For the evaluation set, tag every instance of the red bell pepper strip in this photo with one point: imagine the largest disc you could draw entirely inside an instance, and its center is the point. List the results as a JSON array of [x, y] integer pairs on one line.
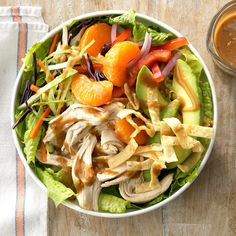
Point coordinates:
[[131, 80], [123, 36], [175, 44], [157, 75], [117, 92], [153, 56]]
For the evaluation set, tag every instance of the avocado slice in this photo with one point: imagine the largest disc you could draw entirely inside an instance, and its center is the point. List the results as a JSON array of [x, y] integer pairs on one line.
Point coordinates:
[[183, 75], [183, 70], [181, 153], [171, 110], [144, 84], [186, 86]]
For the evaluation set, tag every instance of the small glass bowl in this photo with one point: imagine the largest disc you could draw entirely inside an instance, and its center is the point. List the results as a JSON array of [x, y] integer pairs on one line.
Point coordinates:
[[229, 8]]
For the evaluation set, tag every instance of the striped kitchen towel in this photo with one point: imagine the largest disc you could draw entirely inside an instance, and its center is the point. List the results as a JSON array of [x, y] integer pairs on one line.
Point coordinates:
[[23, 205]]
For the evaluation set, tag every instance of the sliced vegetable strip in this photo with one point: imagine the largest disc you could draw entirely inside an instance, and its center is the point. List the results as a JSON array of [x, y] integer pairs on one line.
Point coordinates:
[[156, 55], [36, 128], [43, 152], [54, 43], [34, 88], [157, 75], [117, 92], [44, 69], [123, 36], [175, 44]]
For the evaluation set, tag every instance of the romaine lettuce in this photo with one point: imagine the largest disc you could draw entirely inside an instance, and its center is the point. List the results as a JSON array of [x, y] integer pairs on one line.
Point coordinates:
[[112, 204], [31, 145], [192, 61], [139, 29], [57, 191], [180, 179]]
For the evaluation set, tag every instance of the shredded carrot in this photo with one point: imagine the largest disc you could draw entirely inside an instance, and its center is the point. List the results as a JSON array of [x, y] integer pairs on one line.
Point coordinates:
[[44, 69], [123, 36], [54, 43], [80, 69], [43, 152], [34, 88], [98, 66], [39, 123]]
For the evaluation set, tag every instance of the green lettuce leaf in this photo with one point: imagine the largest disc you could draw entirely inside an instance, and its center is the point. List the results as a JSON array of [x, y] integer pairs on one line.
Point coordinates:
[[127, 19], [192, 61], [31, 145], [139, 29], [112, 190], [112, 204], [41, 49], [180, 179], [57, 191], [207, 102], [20, 128], [63, 176]]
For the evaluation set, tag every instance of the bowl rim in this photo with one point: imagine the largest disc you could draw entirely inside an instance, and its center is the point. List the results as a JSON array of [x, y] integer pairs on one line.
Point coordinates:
[[137, 212]]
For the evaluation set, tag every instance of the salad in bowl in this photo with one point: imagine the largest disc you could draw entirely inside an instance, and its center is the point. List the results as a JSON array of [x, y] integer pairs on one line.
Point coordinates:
[[114, 113]]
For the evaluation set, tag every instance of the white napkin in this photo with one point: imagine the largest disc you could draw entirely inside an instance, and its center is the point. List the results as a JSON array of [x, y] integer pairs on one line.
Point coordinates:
[[23, 205]]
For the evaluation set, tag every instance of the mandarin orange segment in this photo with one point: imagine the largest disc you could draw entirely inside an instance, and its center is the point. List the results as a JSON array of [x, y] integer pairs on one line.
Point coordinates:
[[124, 129], [90, 92], [101, 33], [117, 59]]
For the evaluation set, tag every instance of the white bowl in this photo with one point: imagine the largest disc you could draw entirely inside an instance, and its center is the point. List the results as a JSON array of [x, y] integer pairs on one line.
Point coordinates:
[[74, 205]]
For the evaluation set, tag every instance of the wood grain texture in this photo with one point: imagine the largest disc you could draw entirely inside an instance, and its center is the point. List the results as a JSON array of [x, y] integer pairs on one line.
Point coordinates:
[[208, 207]]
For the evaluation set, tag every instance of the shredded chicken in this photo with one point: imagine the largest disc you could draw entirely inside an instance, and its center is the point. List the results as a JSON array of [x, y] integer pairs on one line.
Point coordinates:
[[59, 126], [83, 175], [55, 160], [127, 189]]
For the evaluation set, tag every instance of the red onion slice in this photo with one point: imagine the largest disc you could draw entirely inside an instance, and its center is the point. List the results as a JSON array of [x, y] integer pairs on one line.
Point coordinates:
[[171, 63], [113, 32], [146, 45], [144, 50]]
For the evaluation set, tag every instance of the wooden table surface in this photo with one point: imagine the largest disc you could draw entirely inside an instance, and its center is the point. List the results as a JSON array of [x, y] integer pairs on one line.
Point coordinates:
[[208, 207]]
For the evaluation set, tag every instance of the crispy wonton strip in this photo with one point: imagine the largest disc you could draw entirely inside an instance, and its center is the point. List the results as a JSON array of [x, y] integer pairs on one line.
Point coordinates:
[[169, 140], [188, 164], [154, 108], [131, 95], [124, 155], [153, 155], [155, 147], [169, 154], [139, 165], [184, 140], [156, 168], [168, 150], [199, 131], [148, 127], [138, 129]]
